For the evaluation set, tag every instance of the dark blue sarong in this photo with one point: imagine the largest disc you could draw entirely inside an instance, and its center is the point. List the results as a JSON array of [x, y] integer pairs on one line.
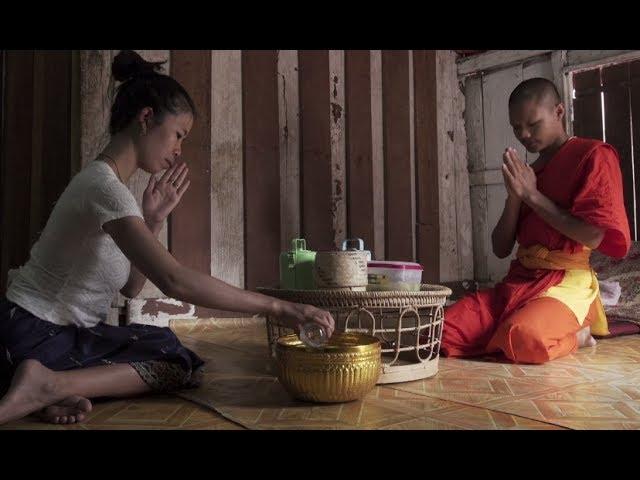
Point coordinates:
[[25, 336]]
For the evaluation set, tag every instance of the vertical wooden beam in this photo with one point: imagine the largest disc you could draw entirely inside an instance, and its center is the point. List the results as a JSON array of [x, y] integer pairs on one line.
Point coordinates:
[[428, 198], [55, 135], [37, 202], [475, 146], [2, 167], [96, 96], [412, 154], [317, 189], [397, 161], [360, 198], [338, 154], [17, 155], [377, 155], [227, 183], [460, 159], [289, 122], [189, 225], [262, 166], [75, 133]]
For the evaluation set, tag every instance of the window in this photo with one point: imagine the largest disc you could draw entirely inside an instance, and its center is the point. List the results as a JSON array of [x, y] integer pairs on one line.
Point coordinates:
[[606, 105]]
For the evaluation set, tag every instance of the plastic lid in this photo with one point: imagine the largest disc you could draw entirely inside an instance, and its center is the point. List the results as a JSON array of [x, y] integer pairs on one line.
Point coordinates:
[[395, 265]]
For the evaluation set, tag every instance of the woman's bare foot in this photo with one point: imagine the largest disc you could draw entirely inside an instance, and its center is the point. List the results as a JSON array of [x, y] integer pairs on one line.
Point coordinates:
[[32, 388], [72, 409], [585, 339]]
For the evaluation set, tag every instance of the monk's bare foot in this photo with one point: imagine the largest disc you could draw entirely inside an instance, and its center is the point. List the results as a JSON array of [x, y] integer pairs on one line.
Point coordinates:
[[32, 388], [73, 409], [585, 339]]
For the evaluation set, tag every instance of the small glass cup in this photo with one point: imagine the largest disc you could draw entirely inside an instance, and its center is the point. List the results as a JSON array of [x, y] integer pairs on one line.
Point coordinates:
[[313, 335]]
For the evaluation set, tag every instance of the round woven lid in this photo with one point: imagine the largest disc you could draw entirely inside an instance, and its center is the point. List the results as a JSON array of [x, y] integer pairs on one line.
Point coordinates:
[[429, 295]]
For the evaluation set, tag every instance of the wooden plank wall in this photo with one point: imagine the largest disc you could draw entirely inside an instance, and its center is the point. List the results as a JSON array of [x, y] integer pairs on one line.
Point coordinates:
[[227, 172], [443, 227], [2, 167], [261, 167], [323, 144], [17, 159], [398, 176], [39, 146], [359, 132], [189, 224]]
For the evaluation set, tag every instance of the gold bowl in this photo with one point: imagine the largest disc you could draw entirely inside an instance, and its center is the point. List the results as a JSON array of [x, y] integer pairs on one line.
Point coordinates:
[[346, 369]]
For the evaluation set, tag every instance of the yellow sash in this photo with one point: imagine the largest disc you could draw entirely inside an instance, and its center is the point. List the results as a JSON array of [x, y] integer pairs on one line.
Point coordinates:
[[539, 257]]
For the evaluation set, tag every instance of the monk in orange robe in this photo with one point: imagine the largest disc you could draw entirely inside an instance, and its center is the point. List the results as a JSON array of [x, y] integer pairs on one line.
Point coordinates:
[[560, 208]]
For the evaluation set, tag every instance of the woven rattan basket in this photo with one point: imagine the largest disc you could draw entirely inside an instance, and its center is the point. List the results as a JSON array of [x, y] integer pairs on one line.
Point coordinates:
[[409, 324], [342, 270]]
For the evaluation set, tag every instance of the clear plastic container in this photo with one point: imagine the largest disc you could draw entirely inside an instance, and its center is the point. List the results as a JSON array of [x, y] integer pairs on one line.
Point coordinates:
[[394, 276]]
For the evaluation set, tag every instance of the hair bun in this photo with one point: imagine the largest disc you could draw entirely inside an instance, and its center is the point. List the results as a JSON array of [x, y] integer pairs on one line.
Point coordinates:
[[128, 64]]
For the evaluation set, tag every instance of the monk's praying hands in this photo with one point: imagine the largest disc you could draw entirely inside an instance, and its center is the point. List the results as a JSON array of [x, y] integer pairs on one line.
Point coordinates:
[[519, 178]]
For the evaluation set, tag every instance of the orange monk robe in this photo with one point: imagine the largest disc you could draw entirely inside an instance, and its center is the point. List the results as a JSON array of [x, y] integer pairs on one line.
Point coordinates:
[[583, 178]]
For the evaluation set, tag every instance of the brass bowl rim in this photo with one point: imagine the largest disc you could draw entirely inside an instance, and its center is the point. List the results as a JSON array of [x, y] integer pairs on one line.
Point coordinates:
[[292, 343]]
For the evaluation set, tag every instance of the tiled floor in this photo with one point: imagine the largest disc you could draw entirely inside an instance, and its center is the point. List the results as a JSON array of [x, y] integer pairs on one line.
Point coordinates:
[[157, 413], [597, 388]]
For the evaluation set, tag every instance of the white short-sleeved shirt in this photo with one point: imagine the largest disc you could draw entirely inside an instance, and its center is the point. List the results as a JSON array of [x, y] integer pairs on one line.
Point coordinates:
[[75, 268]]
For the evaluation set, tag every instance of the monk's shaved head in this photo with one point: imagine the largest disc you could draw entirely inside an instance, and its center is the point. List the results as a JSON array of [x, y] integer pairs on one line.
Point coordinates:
[[537, 115], [539, 90]]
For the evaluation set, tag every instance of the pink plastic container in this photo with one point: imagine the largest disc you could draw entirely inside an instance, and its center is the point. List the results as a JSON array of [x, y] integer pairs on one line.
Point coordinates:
[[394, 276]]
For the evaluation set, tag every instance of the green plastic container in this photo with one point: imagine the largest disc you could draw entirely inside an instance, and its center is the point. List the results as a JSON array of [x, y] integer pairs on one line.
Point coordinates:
[[296, 267]]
